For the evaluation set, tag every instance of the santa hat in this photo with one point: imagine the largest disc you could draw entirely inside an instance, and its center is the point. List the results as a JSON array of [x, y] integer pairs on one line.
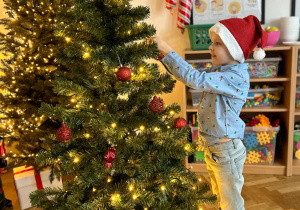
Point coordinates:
[[241, 36]]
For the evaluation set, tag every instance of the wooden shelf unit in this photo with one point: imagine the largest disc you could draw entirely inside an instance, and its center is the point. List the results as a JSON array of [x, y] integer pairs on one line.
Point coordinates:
[[296, 115], [283, 163]]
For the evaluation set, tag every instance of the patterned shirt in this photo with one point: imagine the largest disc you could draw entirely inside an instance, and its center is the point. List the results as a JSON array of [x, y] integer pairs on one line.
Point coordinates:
[[225, 89]]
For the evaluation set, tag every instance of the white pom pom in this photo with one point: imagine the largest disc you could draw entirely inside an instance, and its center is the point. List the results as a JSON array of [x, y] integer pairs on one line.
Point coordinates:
[[259, 54]]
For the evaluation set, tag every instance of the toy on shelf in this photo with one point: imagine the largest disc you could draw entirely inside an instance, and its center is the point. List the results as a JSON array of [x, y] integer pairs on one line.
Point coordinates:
[[297, 141], [260, 139], [298, 97], [199, 154], [268, 67], [265, 96]]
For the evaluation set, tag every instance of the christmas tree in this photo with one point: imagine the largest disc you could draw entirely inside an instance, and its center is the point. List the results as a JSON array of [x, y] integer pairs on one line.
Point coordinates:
[[119, 145], [29, 46]]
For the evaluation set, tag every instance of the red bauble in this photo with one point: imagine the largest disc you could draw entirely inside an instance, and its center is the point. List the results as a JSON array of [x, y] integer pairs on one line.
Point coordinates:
[[156, 105], [110, 156], [124, 74], [64, 133], [160, 56], [180, 123]]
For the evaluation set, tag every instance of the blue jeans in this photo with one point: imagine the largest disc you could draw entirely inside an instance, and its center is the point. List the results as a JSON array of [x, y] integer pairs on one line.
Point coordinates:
[[225, 162]]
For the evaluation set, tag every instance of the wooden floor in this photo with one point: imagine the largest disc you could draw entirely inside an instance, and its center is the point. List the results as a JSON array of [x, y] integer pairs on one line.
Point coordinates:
[[261, 192]]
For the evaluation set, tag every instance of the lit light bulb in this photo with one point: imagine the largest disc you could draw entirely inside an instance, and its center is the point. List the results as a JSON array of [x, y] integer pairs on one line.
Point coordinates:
[[172, 112], [76, 160], [162, 188], [108, 180], [114, 197], [87, 135], [134, 197], [86, 55], [130, 188], [199, 179], [68, 39], [141, 69], [94, 189], [113, 125], [142, 128]]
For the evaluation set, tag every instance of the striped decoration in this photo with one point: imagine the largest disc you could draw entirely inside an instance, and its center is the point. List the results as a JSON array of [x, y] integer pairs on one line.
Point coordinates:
[[184, 11], [171, 4]]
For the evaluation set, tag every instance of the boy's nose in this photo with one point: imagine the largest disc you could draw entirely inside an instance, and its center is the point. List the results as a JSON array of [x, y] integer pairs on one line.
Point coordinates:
[[210, 47]]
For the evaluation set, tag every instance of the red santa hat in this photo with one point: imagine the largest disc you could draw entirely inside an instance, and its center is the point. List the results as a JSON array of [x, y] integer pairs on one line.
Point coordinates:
[[241, 36]]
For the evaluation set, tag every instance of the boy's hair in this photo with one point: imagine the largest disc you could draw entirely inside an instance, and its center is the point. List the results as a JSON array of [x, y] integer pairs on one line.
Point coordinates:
[[241, 36]]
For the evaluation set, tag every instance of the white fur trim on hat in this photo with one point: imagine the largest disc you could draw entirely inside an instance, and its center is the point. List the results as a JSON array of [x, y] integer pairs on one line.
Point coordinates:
[[229, 40], [259, 54]]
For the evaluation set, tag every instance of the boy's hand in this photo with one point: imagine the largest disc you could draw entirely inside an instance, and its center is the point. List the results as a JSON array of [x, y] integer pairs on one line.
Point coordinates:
[[163, 47]]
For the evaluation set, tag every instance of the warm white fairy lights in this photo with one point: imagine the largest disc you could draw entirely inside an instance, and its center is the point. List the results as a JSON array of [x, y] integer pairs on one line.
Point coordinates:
[[76, 160]]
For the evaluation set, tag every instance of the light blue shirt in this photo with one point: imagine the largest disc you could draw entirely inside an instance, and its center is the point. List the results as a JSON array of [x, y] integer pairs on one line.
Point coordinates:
[[225, 89]]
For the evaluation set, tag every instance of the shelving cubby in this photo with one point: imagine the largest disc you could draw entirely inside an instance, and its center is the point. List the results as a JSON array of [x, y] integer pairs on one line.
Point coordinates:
[[285, 111]]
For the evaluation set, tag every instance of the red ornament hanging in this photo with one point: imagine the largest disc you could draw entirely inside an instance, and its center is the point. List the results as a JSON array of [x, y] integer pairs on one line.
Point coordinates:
[[124, 74], [180, 123], [110, 156], [156, 105], [160, 56], [64, 133]]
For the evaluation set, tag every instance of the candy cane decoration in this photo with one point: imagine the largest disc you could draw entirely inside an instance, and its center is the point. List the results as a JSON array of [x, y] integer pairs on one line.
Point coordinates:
[[170, 4], [184, 13]]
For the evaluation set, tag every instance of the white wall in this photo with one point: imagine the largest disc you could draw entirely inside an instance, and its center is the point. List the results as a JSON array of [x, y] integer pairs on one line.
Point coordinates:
[[165, 24]]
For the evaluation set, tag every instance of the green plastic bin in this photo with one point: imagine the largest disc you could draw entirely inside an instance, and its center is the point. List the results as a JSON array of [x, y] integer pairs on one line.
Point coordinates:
[[199, 36]]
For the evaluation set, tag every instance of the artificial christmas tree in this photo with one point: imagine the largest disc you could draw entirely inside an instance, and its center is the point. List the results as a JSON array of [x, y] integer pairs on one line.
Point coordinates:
[[121, 154], [29, 46]]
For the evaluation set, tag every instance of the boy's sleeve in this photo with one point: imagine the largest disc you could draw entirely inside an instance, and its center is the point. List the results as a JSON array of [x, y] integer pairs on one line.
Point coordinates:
[[227, 83]]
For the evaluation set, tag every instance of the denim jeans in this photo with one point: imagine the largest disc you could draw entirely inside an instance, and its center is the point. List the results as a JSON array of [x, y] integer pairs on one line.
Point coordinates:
[[225, 162]]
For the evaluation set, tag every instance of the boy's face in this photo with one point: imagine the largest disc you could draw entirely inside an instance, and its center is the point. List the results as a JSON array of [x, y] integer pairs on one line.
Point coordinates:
[[219, 52]]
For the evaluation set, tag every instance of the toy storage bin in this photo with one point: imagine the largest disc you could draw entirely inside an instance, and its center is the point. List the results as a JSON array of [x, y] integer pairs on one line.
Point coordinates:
[[199, 36], [260, 143], [267, 67], [196, 96], [263, 97], [198, 155], [297, 144], [297, 97], [201, 64]]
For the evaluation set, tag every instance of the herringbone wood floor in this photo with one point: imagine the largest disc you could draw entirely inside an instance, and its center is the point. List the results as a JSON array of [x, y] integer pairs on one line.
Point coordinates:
[[261, 192]]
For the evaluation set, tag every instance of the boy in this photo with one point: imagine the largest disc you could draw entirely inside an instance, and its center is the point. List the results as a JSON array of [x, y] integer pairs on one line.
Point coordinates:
[[225, 87]]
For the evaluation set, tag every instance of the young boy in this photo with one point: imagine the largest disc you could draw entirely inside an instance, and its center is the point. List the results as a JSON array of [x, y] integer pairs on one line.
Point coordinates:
[[225, 87]]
